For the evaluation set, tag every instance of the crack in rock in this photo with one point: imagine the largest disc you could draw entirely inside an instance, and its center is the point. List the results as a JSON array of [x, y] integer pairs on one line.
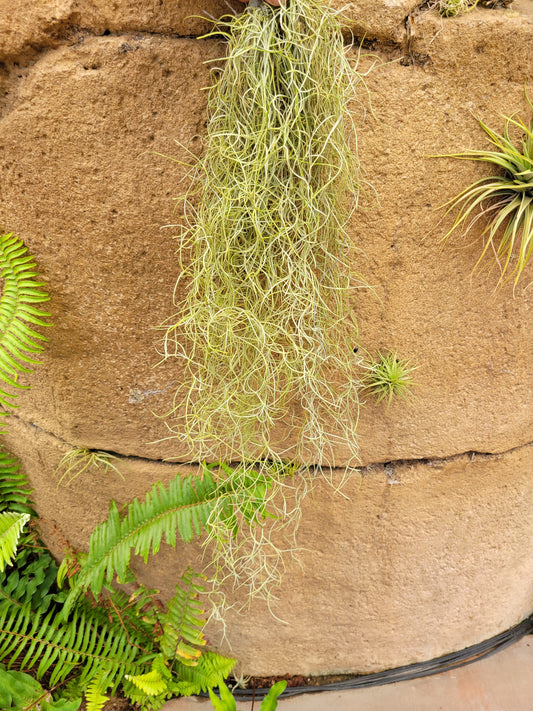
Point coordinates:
[[389, 467]]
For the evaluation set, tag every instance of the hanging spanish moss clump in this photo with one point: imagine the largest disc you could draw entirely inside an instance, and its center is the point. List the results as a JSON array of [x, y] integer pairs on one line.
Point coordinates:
[[270, 372]]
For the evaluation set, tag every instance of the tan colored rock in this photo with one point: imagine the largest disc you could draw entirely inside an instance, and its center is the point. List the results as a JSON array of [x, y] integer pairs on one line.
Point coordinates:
[[384, 20], [422, 559], [180, 17], [473, 346], [83, 187], [80, 146], [25, 24], [475, 42]]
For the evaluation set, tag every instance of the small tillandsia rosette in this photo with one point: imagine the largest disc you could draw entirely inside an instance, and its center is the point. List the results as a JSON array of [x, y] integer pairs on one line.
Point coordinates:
[[503, 200], [388, 377]]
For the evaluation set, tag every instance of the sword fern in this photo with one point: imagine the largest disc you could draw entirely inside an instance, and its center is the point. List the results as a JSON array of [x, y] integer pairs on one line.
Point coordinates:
[[18, 313]]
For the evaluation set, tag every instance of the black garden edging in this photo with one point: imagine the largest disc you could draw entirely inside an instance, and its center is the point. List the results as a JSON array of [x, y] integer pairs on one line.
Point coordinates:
[[410, 671]]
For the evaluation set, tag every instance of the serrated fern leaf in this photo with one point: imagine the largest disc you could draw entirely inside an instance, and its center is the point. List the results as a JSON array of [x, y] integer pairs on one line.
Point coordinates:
[[17, 340], [183, 622], [31, 582], [183, 508], [95, 697], [140, 700], [210, 671], [138, 613], [152, 683], [44, 643], [11, 526], [14, 488]]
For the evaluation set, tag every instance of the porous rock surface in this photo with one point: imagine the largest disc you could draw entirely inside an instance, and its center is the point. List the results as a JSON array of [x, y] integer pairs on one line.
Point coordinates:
[[93, 96], [412, 561]]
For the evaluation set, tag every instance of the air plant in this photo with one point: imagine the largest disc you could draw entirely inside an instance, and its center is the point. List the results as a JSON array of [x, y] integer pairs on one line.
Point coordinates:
[[81, 459], [453, 8], [389, 377], [262, 330], [504, 200]]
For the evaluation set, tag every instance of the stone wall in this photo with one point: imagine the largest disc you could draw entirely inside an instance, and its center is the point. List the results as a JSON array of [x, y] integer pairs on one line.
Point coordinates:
[[430, 553]]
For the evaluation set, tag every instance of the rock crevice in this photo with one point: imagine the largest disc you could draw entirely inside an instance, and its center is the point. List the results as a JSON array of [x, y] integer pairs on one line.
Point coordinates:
[[368, 468]]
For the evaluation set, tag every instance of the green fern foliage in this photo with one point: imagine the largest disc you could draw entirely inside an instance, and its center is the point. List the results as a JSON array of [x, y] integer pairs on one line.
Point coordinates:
[[94, 697], [104, 643], [45, 643], [14, 488], [236, 508], [210, 671], [183, 508], [152, 684], [183, 623], [150, 690], [11, 526], [18, 314]]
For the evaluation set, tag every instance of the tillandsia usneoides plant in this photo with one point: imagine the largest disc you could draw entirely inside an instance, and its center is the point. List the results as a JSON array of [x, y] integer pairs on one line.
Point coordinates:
[[270, 373]]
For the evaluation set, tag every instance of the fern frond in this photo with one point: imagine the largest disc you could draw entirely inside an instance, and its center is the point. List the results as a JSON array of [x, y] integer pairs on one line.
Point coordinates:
[[44, 642], [94, 696], [17, 340], [14, 487], [31, 580], [183, 623], [211, 670], [151, 684], [11, 526], [184, 508], [138, 613], [140, 700]]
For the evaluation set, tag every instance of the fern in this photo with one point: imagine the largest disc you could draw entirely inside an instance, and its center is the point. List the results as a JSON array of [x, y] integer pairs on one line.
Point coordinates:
[[31, 581], [210, 671], [94, 696], [152, 684], [183, 508], [138, 613], [45, 643], [21, 291], [11, 526], [183, 623], [105, 640], [188, 506], [14, 488]]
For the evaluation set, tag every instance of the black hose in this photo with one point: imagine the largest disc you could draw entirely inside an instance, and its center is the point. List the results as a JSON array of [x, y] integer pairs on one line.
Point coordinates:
[[410, 671]]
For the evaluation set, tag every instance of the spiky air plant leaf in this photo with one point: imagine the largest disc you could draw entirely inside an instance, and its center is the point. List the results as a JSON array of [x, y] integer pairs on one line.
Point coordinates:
[[389, 377], [504, 201], [265, 259], [18, 314]]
